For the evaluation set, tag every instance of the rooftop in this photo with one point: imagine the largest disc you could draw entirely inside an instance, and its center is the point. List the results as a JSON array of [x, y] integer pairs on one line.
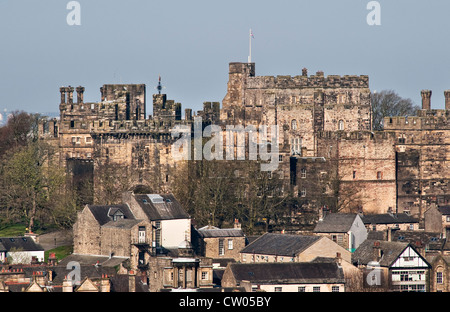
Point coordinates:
[[19, 243], [161, 206], [288, 273], [280, 244], [336, 223], [388, 218]]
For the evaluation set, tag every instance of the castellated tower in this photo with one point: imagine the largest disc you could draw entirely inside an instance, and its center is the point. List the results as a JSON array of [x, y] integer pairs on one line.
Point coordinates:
[[301, 106]]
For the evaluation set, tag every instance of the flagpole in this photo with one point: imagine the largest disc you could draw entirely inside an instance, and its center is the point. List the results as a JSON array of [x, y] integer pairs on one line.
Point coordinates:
[[250, 46]]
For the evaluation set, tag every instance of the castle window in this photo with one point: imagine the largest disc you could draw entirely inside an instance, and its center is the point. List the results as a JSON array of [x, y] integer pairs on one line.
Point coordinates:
[[379, 175], [354, 174], [303, 193], [303, 173], [88, 140], [72, 124], [221, 248], [296, 145], [294, 124], [230, 244], [341, 125], [204, 276]]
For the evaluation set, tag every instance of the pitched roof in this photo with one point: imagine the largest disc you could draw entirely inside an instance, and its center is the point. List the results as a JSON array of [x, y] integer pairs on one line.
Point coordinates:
[[445, 210], [288, 272], [92, 260], [418, 238], [390, 252], [336, 223], [216, 232], [388, 218], [280, 244], [122, 224], [161, 207], [104, 213], [86, 271], [19, 243]]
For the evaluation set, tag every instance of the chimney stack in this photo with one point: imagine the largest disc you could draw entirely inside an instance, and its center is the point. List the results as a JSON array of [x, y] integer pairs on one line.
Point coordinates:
[[426, 99], [70, 95], [338, 258], [376, 251], [131, 281], [63, 94], [447, 99], [305, 72], [67, 285], [80, 91]]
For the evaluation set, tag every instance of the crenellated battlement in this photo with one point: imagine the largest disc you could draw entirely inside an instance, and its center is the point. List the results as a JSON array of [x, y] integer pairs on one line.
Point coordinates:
[[426, 120], [315, 81], [294, 82], [357, 135]]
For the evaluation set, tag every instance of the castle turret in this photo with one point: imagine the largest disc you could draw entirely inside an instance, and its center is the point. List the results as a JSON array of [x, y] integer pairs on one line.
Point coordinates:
[[426, 99], [80, 92], [447, 99]]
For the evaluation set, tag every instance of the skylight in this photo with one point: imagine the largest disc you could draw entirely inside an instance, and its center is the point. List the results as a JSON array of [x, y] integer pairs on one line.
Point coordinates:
[[155, 198]]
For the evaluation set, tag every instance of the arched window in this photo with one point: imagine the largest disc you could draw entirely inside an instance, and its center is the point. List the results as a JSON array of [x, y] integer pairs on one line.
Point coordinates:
[[341, 125], [294, 124]]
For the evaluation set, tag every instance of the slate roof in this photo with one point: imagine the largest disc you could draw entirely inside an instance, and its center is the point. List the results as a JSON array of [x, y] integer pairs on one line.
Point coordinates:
[[166, 209], [216, 232], [388, 218], [120, 283], [288, 272], [418, 238], [122, 224], [91, 271], [19, 243], [335, 223], [376, 235], [91, 260], [445, 210], [390, 252], [104, 213], [280, 244]]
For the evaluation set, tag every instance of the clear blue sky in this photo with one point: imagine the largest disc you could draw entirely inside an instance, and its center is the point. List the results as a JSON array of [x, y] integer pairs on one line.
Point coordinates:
[[190, 43]]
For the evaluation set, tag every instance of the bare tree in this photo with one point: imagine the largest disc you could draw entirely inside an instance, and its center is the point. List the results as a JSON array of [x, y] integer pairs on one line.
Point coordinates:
[[388, 103]]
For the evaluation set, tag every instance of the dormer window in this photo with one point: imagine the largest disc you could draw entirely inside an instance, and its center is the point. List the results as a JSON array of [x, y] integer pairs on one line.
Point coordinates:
[[116, 214]]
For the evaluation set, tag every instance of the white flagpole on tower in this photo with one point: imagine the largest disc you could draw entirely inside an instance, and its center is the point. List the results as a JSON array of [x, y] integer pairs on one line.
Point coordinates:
[[250, 46]]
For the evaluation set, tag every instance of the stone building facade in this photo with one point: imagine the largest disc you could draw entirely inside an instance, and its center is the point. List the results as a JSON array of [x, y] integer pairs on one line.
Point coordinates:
[[325, 139]]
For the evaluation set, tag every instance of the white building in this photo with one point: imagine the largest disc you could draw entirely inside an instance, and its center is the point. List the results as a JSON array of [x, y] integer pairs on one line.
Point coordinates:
[[20, 249], [172, 223], [285, 277]]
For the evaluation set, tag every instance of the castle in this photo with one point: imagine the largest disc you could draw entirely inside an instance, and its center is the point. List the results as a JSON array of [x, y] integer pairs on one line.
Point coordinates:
[[326, 141]]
